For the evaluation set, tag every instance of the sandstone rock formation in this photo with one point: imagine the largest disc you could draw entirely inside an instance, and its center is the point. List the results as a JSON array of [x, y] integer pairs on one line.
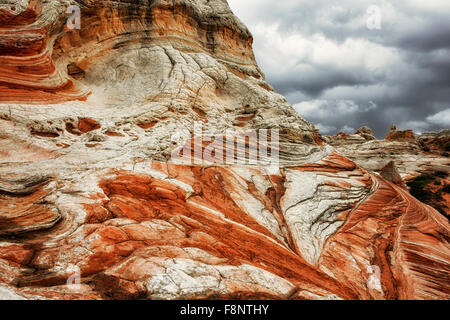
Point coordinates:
[[436, 142], [344, 139], [403, 159], [403, 148], [90, 119], [405, 135], [390, 173], [366, 133]]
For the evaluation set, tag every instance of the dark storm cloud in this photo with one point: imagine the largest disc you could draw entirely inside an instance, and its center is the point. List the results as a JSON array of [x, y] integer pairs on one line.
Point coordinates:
[[323, 57], [315, 79]]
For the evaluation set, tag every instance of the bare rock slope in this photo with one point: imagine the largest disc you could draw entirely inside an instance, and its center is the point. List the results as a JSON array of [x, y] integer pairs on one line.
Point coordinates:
[[89, 120], [420, 164], [413, 155]]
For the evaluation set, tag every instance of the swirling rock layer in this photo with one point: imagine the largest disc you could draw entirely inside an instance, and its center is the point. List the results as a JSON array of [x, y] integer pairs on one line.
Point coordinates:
[[89, 121], [403, 158]]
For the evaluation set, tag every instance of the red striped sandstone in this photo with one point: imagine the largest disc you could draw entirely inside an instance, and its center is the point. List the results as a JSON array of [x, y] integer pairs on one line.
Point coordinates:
[[88, 122]]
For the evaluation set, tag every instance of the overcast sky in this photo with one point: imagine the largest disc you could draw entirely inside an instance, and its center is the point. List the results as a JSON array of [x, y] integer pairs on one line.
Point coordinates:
[[348, 63]]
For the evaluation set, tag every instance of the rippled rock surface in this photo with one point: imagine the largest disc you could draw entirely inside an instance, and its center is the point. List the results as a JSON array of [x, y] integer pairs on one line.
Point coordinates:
[[90, 119]]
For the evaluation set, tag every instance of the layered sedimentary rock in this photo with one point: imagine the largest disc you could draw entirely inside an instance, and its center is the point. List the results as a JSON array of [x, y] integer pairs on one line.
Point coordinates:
[[405, 135], [418, 163], [390, 172], [436, 142], [411, 155], [89, 191]]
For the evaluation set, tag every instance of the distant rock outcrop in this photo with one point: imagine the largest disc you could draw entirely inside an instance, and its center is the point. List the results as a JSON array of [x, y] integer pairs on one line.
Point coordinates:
[[366, 133], [406, 135], [436, 142], [408, 159], [362, 135]]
